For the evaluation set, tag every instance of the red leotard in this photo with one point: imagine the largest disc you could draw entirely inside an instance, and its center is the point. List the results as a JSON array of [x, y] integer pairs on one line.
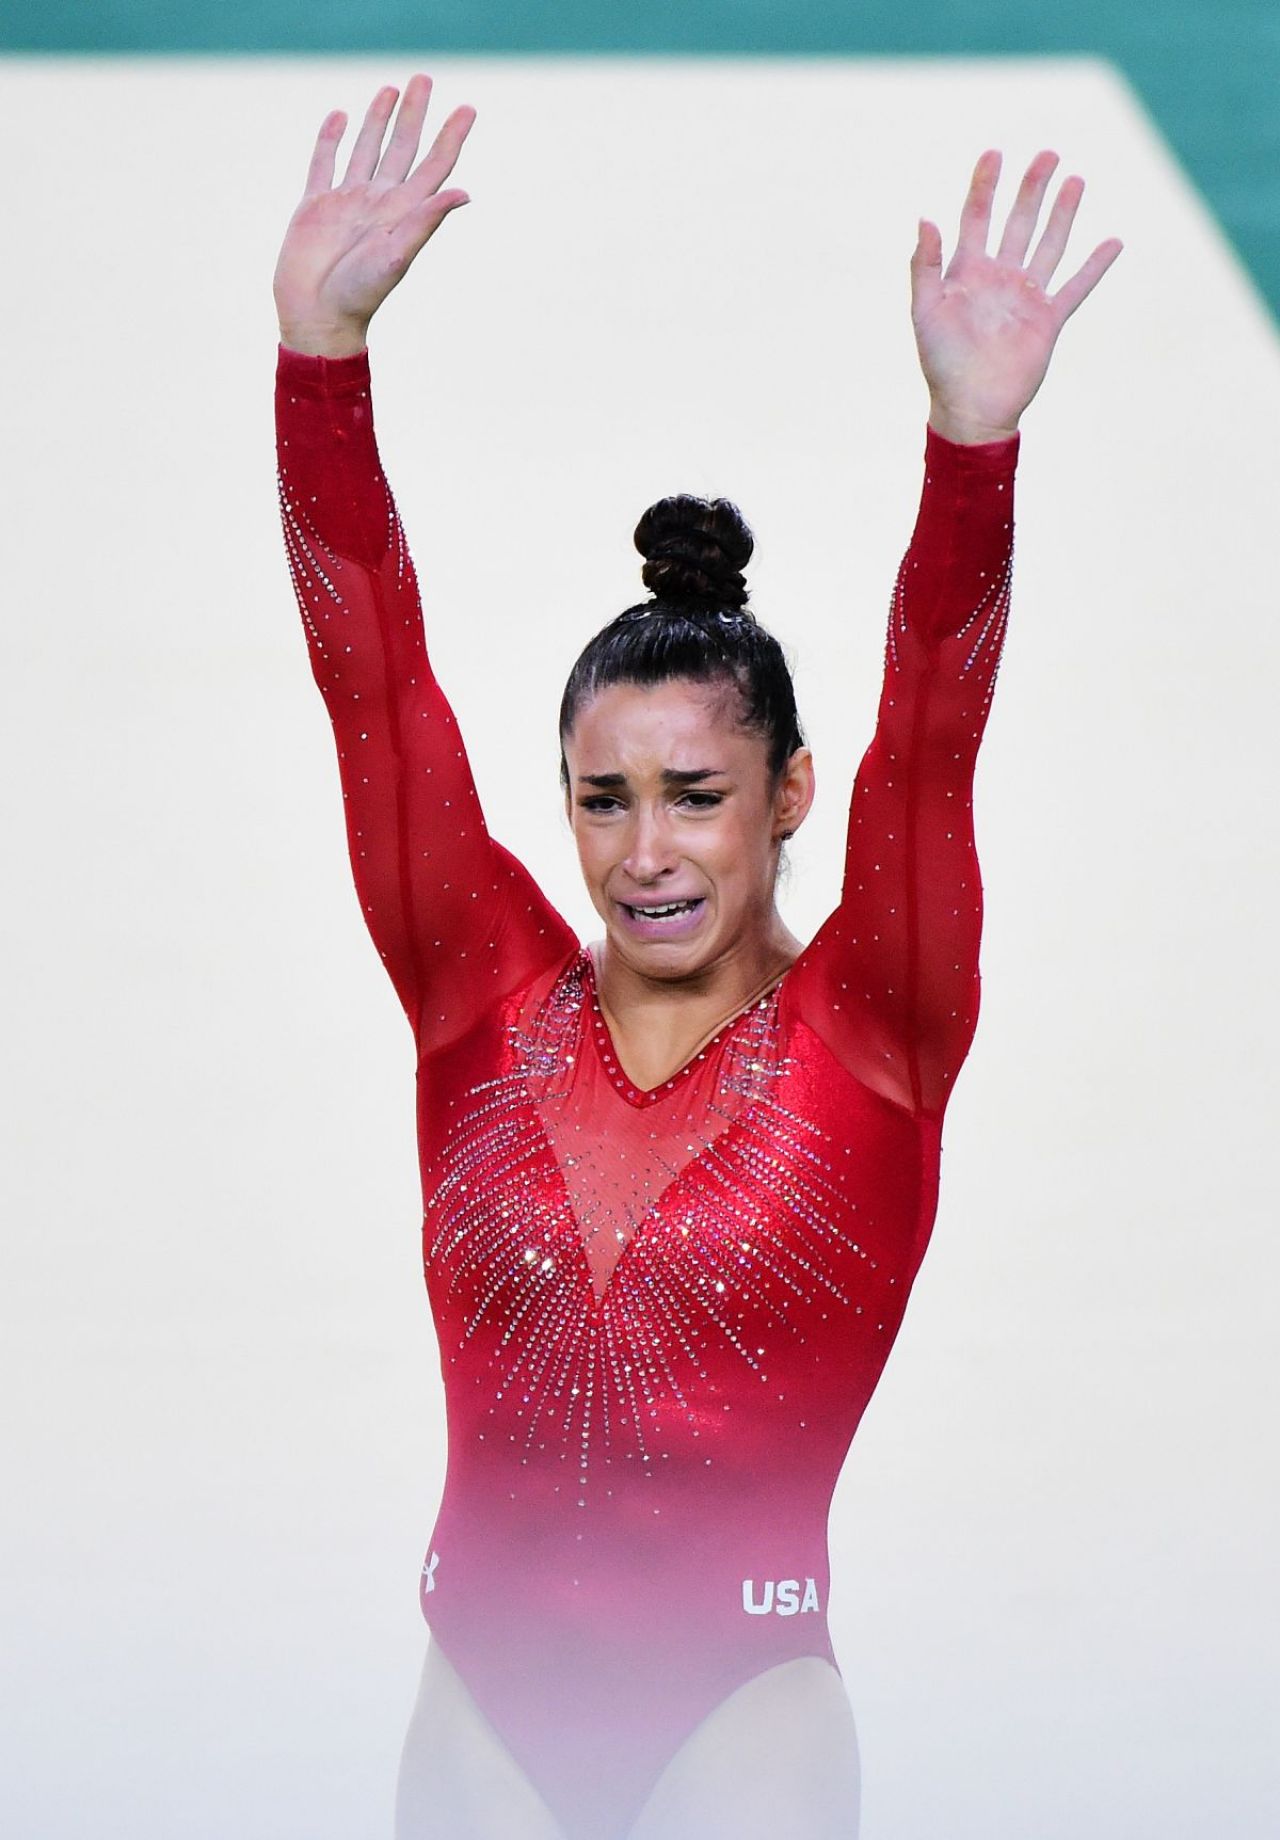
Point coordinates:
[[660, 1314]]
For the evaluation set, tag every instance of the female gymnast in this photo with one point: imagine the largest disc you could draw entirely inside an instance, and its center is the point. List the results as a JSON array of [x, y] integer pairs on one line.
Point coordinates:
[[677, 1184]]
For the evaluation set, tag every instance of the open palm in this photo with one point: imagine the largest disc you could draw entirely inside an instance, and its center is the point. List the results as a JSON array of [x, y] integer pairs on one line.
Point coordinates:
[[348, 244], [986, 328]]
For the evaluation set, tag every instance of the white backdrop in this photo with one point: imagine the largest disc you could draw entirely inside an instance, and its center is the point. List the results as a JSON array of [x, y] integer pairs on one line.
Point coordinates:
[[1054, 1543]]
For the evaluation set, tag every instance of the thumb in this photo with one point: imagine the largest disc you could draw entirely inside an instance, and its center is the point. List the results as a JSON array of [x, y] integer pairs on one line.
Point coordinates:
[[926, 266], [420, 224], [927, 254]]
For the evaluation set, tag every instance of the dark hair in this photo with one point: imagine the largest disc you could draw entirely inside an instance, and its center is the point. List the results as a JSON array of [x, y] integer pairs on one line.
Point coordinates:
[[695, 625]]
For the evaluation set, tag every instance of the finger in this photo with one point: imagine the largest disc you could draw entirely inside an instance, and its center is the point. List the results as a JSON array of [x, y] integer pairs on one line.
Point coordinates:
[[926, 267], [432, 171], [975, 215], [1086, 278], [1050, 249], [1026, 208], [320, 171], [364, 155], [402, 148]]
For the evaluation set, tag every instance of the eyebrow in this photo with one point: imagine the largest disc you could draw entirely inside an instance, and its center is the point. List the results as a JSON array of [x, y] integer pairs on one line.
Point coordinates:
[[671, 776]]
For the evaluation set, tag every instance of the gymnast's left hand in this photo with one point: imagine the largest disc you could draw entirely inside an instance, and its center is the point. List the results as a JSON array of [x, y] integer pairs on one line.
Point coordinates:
[[986, 328]]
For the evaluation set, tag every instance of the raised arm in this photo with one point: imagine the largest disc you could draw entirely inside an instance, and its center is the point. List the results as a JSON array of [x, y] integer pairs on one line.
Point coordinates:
[[456, 919], [891, 982]]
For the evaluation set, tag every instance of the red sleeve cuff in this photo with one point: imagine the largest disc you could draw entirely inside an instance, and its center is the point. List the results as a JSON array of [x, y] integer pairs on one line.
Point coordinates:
[[992, 458], [305, 375]]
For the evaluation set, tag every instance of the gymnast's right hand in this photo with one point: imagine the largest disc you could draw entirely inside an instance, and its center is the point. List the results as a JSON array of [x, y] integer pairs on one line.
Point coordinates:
[[348, 245]]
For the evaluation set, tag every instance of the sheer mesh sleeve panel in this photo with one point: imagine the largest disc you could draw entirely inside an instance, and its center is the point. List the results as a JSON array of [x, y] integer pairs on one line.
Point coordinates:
[[891, 981], [457, 921]]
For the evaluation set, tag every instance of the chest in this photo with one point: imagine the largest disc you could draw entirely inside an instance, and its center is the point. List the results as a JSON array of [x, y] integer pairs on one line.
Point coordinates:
[[629, 1288], [546, 1169]]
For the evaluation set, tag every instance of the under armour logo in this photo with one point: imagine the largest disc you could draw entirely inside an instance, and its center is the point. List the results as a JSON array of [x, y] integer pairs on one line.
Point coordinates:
[[428, 1571], [782, 1598]]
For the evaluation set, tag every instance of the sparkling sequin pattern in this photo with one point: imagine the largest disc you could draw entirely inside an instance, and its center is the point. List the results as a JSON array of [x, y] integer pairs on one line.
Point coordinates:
[[982, 634], [733, 1228]]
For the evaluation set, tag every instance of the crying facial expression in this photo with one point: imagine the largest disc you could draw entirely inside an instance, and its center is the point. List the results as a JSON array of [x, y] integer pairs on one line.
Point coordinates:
[[676, 820]]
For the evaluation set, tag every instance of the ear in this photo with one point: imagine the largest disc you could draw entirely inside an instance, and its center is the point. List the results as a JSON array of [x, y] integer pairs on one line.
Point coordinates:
[[794, 795]]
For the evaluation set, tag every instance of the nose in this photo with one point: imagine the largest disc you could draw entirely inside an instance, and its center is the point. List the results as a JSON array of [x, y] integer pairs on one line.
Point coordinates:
[[652, 853]]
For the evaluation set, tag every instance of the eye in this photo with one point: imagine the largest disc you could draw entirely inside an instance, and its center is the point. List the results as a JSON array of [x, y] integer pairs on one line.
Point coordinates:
[[701, 801], [600, 801]]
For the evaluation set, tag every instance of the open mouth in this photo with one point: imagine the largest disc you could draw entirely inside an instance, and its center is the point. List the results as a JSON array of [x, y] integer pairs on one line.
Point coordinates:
[[666, 910]]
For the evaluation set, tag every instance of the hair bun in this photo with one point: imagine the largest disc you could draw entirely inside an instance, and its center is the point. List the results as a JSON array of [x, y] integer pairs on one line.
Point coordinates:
[[695, 550]]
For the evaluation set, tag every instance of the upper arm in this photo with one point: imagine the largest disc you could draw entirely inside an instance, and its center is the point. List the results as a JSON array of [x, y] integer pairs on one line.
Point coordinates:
[[891, 981]]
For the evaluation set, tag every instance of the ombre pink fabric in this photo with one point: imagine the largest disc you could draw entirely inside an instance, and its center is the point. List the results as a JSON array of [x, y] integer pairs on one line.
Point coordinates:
[[660, 1314]]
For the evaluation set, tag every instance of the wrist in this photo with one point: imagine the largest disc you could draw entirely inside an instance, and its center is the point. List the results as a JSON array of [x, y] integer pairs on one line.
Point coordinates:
[[335, 339], [968, 430]]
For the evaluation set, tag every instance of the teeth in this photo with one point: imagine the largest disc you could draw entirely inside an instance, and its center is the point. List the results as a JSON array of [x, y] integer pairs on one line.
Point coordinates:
[[666, 912]]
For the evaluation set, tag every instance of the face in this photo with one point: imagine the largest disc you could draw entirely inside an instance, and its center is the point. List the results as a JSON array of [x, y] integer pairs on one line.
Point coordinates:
[[678, 823]]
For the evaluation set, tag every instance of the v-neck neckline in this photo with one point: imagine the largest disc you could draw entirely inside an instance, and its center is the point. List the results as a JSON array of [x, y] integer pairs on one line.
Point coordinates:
[[650, 1095]]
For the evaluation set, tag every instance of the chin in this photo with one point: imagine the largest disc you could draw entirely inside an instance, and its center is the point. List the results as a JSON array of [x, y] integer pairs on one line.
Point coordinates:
[[661, 957]]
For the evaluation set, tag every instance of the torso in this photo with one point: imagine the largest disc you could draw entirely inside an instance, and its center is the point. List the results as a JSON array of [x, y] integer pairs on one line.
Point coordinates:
[[661, 1313]]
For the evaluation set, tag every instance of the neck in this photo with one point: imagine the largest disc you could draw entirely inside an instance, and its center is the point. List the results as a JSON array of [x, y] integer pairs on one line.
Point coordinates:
[[729, 983]]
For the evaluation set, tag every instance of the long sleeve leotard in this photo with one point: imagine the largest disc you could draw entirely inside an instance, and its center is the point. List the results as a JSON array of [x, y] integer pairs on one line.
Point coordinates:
[[660, 1313]]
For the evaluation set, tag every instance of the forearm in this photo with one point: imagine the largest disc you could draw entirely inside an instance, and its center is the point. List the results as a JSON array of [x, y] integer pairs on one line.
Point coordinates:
[[331, 474], [961, 547]]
